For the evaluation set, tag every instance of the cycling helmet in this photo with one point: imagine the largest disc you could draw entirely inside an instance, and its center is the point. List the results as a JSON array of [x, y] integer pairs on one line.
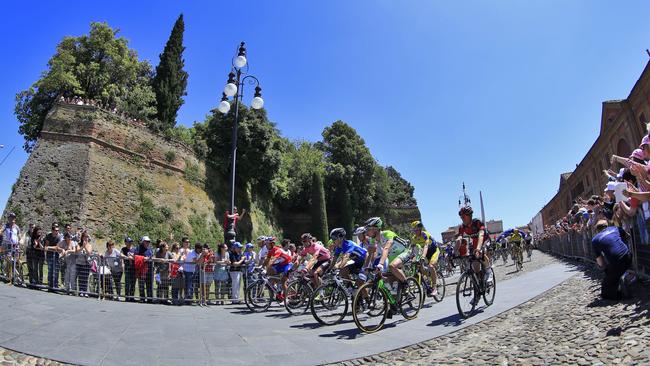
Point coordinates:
[[338, 233], [417, 225], [360, 230], [271, 239], [467, 210], [249, 245], [261, 238], [11, 214], [373, 222]]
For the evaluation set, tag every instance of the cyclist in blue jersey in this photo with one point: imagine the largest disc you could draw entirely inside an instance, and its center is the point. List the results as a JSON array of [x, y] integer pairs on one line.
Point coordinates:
[[345, 250]]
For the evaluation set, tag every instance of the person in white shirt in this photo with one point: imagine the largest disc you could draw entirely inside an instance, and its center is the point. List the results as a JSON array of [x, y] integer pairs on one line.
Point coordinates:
[[10, 242], [261, 242], [189, 269]]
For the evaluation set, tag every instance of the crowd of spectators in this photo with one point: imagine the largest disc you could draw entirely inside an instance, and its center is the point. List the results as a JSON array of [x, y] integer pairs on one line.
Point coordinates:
[[164, 271], [624, 202]]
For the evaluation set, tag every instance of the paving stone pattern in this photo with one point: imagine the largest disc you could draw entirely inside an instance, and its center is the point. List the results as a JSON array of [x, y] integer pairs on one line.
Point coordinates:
[[568, 324]]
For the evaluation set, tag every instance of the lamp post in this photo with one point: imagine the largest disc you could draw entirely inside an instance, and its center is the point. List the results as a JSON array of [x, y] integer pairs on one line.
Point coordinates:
[[234, 88]]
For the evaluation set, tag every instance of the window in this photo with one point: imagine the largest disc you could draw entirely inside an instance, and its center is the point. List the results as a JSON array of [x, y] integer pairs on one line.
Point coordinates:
[[623, 148]]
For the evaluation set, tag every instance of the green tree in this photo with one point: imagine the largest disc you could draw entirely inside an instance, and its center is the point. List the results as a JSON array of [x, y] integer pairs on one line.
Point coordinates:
[[401, 191], [318, 208], [259, 146], [350, 163], [170, 81], [98, 66], [300, 160]]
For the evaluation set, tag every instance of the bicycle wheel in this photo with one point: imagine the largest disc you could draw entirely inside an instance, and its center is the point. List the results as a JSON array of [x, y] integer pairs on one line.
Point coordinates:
[[412, 299], [369, 313], [466, 295], [440, 286], [329, 304], [258, 296], [490, 287], [296, 300]]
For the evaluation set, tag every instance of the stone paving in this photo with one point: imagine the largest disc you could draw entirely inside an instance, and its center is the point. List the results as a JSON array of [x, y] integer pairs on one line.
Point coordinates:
[[569, 324]]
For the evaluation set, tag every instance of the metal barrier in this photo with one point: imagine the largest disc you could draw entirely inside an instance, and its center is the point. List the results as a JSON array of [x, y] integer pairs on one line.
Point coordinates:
[[115, 278]]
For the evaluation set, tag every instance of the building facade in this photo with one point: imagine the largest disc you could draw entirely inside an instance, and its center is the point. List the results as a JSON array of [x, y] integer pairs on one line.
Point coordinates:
[[622, 125]]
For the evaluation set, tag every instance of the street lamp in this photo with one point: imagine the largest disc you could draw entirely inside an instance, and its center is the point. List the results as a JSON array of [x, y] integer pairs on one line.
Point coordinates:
[[234, 88]]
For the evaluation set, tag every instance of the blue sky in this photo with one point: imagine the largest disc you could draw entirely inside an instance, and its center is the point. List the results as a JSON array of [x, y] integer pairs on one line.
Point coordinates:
[[503, 95]]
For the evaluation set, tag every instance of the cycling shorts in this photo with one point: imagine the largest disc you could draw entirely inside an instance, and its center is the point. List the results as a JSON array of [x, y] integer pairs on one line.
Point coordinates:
[[404, 255], [433, 256], [324, 264], [282, 268], [358, 264]]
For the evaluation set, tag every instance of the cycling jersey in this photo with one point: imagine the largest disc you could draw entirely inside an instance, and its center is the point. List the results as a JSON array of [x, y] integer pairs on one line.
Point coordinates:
[[423, 239], [398, 247], [320, 252], [515, 237], [350, 247], [278, 256], [473, 231]]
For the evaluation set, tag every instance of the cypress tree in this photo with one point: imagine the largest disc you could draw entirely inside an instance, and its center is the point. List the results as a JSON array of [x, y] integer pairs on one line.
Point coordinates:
[[318, 209], [170, 81]]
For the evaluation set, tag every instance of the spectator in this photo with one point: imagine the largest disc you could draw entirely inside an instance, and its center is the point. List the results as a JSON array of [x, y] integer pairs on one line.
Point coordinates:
[[70, 251], [10, 242], [127, 255], [612, 255], [249, 261], [236, 261], [231, 219], [113, 260], [84, 258], [52, 252], [145, 280], [163, 258], [176, 276], [189, 269], [222, 260], [206, 260], [35, 261]]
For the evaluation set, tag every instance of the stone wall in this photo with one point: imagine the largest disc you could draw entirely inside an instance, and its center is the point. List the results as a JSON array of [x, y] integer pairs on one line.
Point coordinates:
[[97, 171]]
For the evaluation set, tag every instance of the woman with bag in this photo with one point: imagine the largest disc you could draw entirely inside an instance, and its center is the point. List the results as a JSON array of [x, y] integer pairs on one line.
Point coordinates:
[[176, 276]]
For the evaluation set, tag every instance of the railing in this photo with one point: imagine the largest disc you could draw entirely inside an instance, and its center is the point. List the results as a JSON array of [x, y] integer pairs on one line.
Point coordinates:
[[576, 245], [152, 280]]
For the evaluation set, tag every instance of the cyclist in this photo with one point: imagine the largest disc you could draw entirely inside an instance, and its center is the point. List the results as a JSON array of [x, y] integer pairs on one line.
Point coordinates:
[[423, 240], [389, 248], [345, 250], [277, 262], [515, 238], [320, 257], [528, 243], [475, 229]]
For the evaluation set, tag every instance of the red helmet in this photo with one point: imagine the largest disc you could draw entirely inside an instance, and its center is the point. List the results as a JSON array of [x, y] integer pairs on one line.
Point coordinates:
[[467, 210]]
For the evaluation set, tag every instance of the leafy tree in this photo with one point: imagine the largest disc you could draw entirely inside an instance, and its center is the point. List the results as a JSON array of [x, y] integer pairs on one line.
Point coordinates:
[[401, 191], [99, 67], [318, 208], [259, 146], [170, 81], [349, 162], [300, 160]]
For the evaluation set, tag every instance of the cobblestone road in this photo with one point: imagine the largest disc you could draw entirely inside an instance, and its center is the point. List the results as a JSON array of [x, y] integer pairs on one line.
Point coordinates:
[[569, 324]]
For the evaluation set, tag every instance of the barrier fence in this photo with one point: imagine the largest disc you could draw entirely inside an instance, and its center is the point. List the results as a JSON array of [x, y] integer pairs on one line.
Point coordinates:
[[577, 246], [141, 279]]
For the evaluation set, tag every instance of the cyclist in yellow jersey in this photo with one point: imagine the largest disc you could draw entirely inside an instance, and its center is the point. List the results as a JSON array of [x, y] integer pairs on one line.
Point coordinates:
[[430, 253]]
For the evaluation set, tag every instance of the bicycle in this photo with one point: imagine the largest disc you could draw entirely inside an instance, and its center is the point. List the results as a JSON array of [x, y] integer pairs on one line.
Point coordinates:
[[332, 295], [13, 269], [260, 292], [374, 301], [299, 292], [418, 270], [472, 288], [518, 256]]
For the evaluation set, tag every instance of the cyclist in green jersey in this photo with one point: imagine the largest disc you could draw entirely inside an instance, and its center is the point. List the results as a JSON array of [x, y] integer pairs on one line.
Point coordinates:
[[389, 247]]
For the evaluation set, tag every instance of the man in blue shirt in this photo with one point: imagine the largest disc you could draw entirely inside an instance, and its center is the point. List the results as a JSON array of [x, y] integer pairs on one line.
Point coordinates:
[[345, 250], [612, 255]]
